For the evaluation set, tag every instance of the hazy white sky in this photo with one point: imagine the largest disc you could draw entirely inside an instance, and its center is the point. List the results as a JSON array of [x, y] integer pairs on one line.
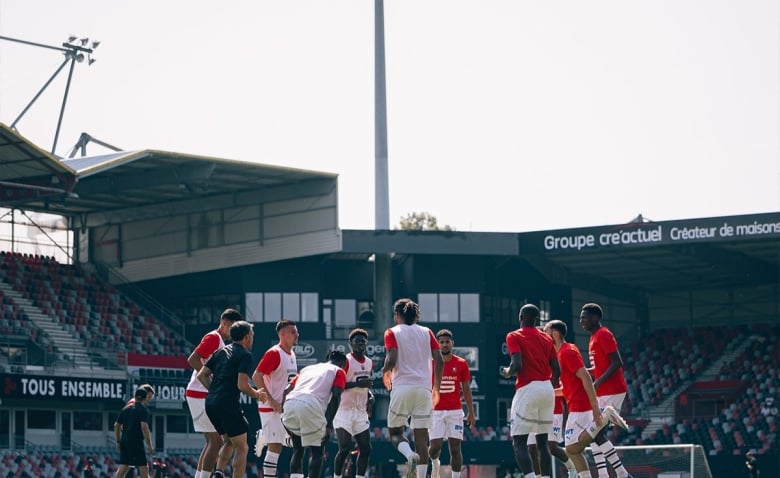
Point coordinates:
[[503, 115]]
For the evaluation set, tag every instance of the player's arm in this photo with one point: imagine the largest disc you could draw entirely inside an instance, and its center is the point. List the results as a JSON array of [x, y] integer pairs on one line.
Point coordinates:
[[339, 381], [471, 418], [117, 433], [391, 358], [204, 376], [147, 436], [590, 390], [515, 365], [615, 364], [244, 386], [195, 360], [556, 372]]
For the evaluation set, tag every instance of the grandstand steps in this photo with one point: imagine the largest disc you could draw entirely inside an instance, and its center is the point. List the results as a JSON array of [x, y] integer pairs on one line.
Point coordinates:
[[65, 342], [664, 411]]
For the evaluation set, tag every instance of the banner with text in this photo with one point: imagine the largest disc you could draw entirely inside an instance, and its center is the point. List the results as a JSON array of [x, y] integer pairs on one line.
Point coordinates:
[[640, 234], [62, 388]]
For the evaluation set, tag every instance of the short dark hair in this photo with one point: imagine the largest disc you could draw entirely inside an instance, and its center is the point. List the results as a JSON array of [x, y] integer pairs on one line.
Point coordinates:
[[594, 309], [558, 325], [336, 356], [357, 332], [529, 314], [231, 315], [444, 333], [408, 310], [283, 323], [240, 329], [140, 394]]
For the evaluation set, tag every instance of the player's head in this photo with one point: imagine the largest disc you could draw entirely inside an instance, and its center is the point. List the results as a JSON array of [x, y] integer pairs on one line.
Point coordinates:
[[358, 341], [287, 332], [149, 390], [406, 311], [529, 315], [140, 395], [556, 327], [336, 357], [590, 316], [226, 319], [444, 336], [240, 330]]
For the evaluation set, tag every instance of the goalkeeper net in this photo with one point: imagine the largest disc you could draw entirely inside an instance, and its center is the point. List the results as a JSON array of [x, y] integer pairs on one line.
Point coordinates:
[[659, 461]]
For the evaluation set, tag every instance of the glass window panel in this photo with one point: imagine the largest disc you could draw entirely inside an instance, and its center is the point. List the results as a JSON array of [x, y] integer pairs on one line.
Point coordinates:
[[42, 419], [346, 312], [272, 307], [291, 306], [469, 307], [309, 308], [87, 421], [112, 416], [176, 423], [254, 307], [448, 307], [429, 309]]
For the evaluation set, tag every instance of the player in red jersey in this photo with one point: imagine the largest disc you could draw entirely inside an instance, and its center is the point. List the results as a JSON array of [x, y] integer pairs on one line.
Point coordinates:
[[607, 370], [447, 419], [535, 364]]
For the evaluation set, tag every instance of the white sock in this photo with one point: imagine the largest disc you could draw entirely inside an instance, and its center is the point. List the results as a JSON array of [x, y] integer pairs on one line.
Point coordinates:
[[338, 476], [296, 475], [405, 450], [569, 465], [269, 464], [584, 474], [455, 474], [531, 475], [422, 470]]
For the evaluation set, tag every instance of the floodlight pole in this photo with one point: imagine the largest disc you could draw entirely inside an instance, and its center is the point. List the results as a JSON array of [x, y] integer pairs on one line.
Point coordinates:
[[73, 53], [383, 265]]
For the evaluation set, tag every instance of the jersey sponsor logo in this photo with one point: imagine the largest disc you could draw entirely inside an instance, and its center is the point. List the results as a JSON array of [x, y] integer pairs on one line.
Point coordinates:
[[447, 385]]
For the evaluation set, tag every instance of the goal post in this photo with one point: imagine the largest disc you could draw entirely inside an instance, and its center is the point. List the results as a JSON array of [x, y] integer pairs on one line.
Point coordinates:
[[658, 461]]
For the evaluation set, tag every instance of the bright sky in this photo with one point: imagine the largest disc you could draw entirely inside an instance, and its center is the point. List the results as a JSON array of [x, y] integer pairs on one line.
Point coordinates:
[[503, 115]]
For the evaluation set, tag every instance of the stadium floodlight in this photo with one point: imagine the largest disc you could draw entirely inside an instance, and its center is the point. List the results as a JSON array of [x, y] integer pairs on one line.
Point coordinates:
[[75, 52]]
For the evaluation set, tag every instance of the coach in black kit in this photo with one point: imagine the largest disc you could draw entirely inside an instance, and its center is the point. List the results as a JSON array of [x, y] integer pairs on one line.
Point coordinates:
[[131, 430], [225, 376]]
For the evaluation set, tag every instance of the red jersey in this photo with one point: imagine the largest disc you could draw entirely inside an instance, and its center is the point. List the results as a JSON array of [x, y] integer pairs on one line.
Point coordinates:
[[455, 374], [558, 410], [571, 360], [601, 344], [537, 349]]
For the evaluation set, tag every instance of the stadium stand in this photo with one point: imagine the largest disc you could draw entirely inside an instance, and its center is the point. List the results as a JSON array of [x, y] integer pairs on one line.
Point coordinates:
[[84, 305]]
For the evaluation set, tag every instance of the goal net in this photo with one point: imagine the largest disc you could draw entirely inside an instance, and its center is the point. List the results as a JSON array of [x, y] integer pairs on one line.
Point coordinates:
[[659, 461]]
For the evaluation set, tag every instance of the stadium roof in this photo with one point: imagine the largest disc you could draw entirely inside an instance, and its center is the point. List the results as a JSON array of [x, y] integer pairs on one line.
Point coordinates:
[[28, 173], [130, 185]]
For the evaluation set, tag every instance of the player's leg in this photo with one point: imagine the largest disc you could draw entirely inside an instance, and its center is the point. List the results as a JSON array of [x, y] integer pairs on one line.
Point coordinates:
[[363, 440], [345, 444]]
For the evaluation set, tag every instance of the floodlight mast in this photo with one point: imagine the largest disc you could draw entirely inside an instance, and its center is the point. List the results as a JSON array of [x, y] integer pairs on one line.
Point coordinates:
[[73, 53]]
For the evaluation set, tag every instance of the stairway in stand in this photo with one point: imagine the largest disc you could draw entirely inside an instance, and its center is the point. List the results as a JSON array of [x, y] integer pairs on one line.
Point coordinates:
[[66, 343]]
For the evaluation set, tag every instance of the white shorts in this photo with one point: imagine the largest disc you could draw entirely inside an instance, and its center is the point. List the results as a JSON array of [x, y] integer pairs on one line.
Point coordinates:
[[306, 420], [615, 400], [447, 424], [353, 420], [410, 401], [532, 409], [576, 423], [556, 435], [273, 430], [200, 421]]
